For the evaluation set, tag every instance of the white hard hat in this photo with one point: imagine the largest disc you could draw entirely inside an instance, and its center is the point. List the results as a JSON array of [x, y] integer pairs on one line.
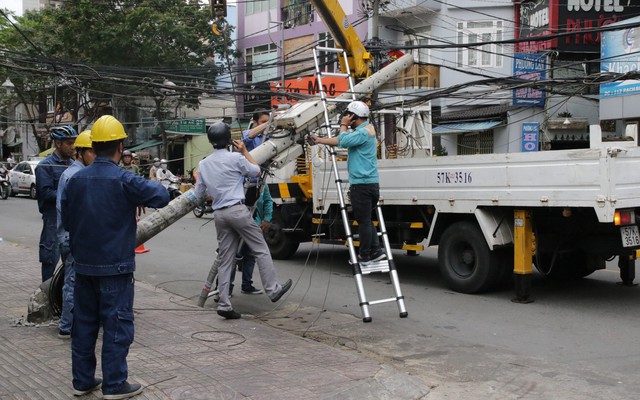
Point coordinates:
[[358, 108]]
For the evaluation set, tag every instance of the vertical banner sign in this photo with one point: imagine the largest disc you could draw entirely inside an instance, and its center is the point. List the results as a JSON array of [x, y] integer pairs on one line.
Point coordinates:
[[529, 67], [620, 55], [537, 18], [529, 136]]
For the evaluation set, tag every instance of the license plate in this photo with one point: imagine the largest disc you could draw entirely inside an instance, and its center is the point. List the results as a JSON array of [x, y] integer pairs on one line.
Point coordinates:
[[630, 236]]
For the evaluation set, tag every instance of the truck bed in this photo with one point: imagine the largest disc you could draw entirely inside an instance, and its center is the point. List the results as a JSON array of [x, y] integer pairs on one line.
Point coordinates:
[[597, 178]]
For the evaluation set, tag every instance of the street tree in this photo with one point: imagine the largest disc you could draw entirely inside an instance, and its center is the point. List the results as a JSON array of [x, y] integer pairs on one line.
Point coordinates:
[[129, 50]]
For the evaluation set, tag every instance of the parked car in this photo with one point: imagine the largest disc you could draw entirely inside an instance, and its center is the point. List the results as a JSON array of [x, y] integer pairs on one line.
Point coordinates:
[[23, 178]]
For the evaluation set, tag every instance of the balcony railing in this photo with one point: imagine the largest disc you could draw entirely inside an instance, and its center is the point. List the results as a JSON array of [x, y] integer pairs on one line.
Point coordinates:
[[296, 13], [407, 8]]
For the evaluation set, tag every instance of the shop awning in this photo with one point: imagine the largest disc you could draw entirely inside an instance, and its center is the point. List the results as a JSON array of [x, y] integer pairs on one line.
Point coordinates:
[[462, 127], [146, 145]]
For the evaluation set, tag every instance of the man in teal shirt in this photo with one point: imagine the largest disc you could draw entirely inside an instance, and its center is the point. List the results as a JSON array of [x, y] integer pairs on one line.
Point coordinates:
[[362, 164]]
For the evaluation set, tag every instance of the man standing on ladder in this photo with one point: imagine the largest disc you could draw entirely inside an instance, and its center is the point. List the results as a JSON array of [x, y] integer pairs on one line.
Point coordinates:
[[362, 165]]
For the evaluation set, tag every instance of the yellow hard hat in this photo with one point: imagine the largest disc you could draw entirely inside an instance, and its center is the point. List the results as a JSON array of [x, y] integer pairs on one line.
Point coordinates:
[[83, 141], [107, 129]]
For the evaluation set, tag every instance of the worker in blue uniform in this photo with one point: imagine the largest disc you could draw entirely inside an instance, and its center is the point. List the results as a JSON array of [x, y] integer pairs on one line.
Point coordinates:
[[84, 157], [99, 211], [48, 173]]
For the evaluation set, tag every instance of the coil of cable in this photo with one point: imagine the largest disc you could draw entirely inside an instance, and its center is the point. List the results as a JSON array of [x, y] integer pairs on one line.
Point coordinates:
[[55, 291]]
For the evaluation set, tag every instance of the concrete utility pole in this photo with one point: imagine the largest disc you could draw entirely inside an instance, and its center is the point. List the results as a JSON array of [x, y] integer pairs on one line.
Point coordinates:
[[290, 126], [374, 44], [302, 118], [374, 28]]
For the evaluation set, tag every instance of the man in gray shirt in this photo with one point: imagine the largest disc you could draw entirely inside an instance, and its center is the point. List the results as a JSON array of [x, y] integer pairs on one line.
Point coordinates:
[[222, 176]]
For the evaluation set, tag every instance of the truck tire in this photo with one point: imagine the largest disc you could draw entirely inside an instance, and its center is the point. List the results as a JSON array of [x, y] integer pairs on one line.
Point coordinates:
[[465, 260], [281, 245]]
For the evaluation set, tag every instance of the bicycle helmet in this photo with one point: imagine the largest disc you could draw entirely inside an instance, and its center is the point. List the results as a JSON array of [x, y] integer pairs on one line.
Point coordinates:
[[63, 132]]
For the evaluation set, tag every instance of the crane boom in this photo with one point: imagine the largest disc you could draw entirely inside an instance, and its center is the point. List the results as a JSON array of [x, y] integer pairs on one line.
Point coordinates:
[[290, 127], [345, 36]]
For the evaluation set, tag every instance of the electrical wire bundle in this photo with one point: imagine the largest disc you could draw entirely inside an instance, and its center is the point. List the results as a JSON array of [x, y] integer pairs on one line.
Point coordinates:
[[55, 290]]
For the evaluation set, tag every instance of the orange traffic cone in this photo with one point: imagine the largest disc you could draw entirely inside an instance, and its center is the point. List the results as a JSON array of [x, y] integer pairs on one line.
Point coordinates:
[[141, 249]]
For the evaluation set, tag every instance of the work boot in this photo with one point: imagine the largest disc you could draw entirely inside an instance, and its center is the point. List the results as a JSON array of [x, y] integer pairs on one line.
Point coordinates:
[[230, 314], [127, 390]]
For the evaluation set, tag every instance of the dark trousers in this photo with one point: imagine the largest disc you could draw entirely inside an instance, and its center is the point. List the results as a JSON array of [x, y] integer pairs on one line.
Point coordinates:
[[106, 300], [248, 264], [49, 249], [364, 198]]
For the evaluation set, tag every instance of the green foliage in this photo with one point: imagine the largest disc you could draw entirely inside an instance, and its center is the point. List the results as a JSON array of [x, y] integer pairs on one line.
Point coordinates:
[[144, 41], [114, 48], [132, 33]]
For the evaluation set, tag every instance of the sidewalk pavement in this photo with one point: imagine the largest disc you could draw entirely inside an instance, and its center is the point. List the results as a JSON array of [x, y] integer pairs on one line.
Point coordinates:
[[182, 351]]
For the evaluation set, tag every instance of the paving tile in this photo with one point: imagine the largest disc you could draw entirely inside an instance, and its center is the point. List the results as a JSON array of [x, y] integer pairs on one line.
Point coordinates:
[[180, 351]]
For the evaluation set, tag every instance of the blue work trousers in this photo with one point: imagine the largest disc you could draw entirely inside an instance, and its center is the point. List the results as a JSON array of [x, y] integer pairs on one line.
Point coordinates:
[[248, 263], [49, 253], [364, 199], [106, 300], [66, 316]]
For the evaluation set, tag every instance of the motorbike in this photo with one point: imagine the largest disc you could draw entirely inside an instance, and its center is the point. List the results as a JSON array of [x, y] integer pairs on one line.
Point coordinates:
[[174, 189], [5, 186], [202, 209]]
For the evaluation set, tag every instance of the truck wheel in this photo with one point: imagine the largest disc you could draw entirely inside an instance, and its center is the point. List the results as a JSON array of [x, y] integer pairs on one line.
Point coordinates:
[[465, 261], [33, 192], [281, 245]]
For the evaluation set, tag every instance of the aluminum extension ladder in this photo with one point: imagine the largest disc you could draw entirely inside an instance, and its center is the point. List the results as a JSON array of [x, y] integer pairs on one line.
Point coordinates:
[[378, 266]]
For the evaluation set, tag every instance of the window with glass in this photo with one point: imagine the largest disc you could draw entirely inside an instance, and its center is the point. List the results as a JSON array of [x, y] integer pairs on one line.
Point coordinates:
[[261, 63], [328, 60], [51, 107], [486, 55], [258, 6], [296, 13], [419, 37], [419, 75]]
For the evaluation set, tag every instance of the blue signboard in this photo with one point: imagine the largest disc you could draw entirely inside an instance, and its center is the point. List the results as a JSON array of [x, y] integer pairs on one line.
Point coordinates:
[[530, 136], [620, 53], [531, 67]]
